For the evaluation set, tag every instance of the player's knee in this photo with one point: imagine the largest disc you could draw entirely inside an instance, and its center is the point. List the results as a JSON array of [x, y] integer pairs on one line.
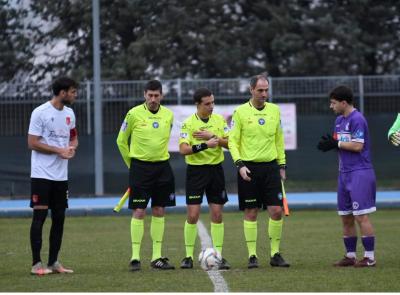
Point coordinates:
[[158, 211], [39, 217], [138, 213], [192, 218], [216, 217]]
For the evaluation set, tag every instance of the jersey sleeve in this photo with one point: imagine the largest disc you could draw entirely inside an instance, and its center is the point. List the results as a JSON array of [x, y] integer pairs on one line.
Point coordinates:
[[36, 126], [226, 128], [184, 134], [234, 137], [123, 138], [358, 129], [395, 127], [280, 143]]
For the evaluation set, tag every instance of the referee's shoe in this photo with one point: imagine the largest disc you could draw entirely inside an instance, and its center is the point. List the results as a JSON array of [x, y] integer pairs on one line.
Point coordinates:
[[277, 260], [162, 264]]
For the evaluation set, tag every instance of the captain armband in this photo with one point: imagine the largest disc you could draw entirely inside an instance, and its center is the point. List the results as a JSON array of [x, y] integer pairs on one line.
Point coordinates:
[[199, 147]]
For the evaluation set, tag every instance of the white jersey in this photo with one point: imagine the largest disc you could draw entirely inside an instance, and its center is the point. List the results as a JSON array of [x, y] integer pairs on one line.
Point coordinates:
[[54, 127]]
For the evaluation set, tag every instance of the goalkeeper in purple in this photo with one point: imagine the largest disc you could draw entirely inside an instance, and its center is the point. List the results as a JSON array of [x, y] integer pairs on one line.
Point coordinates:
[[356, 181]]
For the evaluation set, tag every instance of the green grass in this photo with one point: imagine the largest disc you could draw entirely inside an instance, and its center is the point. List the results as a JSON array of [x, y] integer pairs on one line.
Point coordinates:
[[98, 249]]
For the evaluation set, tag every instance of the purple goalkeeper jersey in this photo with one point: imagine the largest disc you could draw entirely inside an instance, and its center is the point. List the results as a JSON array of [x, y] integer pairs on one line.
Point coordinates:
[[353, 128]]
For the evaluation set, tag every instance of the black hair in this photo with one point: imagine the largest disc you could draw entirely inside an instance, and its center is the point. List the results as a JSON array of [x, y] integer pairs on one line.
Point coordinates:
[[254, 80], [153, 85], [342, 93], [200, 93], [63, 83]]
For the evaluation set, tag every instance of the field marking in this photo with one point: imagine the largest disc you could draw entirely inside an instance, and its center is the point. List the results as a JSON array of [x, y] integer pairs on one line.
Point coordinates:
[[216, 278]]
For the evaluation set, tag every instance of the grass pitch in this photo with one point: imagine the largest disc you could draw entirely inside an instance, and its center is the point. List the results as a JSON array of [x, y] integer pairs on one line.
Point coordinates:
[[98, 249]]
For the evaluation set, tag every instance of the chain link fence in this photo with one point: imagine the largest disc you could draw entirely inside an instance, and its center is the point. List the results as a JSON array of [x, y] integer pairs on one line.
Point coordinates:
[[373, 94]]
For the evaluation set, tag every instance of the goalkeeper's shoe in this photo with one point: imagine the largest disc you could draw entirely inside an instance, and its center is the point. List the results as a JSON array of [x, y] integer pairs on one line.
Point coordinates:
[[58, 268], [365, 262], [277, 260], [224, 265], [40, 270], [162, 264], [253, 262], [134, 265], [187, 262], [345, 261]]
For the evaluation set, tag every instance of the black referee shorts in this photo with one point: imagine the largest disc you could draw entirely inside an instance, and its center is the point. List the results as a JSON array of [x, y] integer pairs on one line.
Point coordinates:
[[51, 193], [151, 180], [205, 178], [264, 189]]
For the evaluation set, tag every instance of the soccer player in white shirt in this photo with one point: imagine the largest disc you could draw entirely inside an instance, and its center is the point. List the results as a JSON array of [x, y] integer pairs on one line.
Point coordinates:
[[53, 139]]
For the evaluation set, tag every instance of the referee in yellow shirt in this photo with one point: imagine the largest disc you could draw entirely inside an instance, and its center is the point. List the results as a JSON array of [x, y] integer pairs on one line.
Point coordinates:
[[143, 143], [202, 137], [257, 147]]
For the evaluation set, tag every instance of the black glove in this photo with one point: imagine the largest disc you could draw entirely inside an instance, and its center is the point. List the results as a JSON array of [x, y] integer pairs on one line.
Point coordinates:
[[327, 143]]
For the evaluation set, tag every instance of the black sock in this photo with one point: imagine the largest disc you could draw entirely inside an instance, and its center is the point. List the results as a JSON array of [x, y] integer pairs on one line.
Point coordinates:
[[38, 219], [56, 233]]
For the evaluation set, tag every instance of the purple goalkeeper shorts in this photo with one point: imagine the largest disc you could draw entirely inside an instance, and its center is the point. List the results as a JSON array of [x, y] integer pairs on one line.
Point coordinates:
[[356, 192]]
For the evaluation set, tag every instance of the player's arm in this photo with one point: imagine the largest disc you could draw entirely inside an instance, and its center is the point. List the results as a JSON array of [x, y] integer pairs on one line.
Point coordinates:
[[35, 144], [351, 146], [356, 143], [123, 139], [233, 145], [280, 149]]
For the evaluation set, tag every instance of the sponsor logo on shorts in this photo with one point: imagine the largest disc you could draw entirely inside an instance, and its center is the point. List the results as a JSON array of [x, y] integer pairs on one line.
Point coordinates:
[[261, 121], [280, 196], [172, 196], [35, 198], [355, 205], [138, 200], [194, 197], [250, 201], [155, 125]]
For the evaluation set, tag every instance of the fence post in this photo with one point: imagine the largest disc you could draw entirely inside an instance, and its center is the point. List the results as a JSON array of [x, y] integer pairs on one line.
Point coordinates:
[[88, 109], [361, 91], [179, 90], [270, 89]]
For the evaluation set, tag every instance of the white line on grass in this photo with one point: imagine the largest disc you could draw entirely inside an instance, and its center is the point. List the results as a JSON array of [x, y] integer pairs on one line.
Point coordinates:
[[215, 276]]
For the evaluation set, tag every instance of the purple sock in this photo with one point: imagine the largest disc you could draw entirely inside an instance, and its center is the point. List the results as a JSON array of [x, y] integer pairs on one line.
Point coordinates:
[[368, 243], [350, 243]]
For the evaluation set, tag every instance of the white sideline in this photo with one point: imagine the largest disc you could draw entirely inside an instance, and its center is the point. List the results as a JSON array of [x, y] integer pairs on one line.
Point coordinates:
[[216, 278]]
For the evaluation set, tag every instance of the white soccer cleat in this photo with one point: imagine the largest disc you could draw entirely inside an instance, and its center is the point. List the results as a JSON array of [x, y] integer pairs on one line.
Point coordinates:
[[58, 268], [40, 270]]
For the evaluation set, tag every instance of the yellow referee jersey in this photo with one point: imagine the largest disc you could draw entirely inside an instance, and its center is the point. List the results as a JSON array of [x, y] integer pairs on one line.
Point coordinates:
[[216, 125], [256, 135], [149, 134]]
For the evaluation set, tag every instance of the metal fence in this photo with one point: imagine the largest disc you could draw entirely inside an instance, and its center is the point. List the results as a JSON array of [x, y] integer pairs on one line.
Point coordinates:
[[373, 94]]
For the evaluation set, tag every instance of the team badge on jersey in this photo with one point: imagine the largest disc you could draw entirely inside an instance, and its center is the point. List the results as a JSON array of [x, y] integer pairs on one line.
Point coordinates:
[[124, 125], [184, 135], [68, 120], [155, 125], [261, 121]]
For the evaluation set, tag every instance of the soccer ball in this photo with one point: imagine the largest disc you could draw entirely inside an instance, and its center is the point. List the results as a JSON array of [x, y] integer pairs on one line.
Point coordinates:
[[210, 259]]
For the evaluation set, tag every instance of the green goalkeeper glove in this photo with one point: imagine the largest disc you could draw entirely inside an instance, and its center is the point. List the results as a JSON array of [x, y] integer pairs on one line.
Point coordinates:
[[394, 132]]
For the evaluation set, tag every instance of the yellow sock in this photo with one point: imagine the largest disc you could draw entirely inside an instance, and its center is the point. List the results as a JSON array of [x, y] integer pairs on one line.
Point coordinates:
[[275, 233], [157, 234], [250, 233], [190, 234], [137, 228], [217, 235]]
